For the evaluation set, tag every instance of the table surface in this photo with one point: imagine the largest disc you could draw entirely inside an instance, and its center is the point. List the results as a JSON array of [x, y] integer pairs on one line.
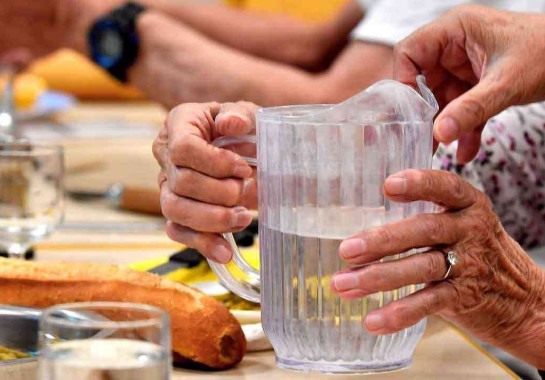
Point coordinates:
[[96, 232]]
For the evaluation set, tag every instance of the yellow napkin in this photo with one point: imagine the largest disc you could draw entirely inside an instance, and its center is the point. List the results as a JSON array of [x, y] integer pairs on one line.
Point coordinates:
[[201, 272]]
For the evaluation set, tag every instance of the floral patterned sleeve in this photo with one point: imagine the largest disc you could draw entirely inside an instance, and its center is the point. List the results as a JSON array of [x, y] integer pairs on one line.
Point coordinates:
[[510, 169]]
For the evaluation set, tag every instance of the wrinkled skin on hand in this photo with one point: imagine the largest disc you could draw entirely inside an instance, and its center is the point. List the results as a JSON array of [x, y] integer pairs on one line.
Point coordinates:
[[478, 61], [206, 190], [496, 291]]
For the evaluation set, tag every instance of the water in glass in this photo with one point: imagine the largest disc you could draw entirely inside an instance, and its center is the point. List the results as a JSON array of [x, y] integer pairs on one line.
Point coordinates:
[[31, 194]]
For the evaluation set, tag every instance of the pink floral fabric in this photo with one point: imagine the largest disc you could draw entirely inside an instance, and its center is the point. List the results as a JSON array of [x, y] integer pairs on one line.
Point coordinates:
[[510, 169]]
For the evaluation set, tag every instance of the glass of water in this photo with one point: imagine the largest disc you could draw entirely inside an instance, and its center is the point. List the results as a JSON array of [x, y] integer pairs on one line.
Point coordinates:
[[104, 340], [31, 194]]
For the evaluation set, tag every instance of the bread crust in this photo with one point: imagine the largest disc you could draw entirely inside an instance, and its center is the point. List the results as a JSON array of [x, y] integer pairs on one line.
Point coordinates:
[[203, 329]]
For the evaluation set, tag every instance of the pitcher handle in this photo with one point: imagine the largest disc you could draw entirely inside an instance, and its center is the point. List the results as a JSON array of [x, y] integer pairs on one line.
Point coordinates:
[[249, 289]]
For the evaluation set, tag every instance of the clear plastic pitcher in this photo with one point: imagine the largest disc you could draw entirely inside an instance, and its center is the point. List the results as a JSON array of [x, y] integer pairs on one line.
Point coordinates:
[[321, 170]]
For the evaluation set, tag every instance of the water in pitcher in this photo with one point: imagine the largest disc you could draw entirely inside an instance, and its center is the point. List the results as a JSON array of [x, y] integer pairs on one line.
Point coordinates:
[[310, 327], [98, 359]]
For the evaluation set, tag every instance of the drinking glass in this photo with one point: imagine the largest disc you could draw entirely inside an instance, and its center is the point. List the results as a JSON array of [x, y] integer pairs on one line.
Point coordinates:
[[104, 340], [31, 194]]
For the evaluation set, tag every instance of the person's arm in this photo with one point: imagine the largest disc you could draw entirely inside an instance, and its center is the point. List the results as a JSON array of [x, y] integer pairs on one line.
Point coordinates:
[[279, 38], [178, 64]]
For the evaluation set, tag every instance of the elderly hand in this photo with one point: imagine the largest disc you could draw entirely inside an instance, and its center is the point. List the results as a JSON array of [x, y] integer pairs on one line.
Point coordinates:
[[495, 291], [205, 190], [478, 61]]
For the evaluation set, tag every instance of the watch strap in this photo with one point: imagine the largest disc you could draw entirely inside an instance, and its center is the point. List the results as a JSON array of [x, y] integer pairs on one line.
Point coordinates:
[[124, 17]]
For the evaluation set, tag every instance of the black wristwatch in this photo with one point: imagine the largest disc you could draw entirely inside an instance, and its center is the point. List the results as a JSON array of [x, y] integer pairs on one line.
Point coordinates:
[[113, 41]]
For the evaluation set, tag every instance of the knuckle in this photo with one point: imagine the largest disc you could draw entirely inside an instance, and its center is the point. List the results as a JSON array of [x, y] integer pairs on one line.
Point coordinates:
[[251, 107], [424, 181], [475, 109], [161, 178], [183, 183], [433, 266], [174, 234], [212, 105], [398, 315], [156, 149], [382, 237], [459, 190], [171, 116], [222, 164], [159, 145], [179, 145], [166, 203], [172, 208], [434, 226], [225, 217], [233, 193], [369, 279], [428, 304]]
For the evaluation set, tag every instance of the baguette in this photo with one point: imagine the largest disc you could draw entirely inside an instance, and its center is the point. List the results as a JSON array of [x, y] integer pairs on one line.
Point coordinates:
[[204, 332]]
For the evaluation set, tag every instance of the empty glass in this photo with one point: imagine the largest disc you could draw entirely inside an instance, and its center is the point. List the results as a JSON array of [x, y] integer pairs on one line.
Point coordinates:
[[321, 171], [104, 340], [31, 194]]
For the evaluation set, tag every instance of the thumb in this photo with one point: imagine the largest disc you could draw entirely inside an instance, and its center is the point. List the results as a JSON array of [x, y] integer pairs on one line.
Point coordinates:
[[236, 119], [472, 109]]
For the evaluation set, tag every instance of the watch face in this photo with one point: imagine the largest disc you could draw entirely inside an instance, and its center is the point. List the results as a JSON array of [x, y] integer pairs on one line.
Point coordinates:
[[111, 44], [107, 44]]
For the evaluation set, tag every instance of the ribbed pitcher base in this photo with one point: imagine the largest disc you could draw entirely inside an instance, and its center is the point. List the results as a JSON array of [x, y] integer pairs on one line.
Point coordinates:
[[341, 367]]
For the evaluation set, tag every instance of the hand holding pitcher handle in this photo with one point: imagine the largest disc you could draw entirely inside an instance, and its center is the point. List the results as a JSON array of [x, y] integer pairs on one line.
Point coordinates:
[[248, 288]]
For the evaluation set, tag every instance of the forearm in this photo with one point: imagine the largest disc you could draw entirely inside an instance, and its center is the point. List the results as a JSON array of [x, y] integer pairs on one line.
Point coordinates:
[[275, 37], [194, 68], [359, 66]]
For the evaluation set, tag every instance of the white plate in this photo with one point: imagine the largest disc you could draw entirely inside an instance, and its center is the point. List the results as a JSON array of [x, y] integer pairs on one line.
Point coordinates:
[[47, 104]]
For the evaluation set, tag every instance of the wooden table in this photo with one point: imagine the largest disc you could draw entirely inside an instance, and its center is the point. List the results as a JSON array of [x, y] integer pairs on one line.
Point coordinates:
[[444, 352]]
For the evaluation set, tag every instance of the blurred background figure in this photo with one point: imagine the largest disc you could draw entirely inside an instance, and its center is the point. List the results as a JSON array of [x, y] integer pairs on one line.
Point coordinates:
[[197, 52], [315, 52]]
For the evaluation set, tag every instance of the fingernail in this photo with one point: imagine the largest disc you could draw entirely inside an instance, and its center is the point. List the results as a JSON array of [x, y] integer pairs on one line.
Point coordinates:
[[230, 116], [395, 185], [448, 129], [221, 254], [345, 281], [242, 170], [352, 248], [230, 123], [374, 321], [242, 217], [247, 185]]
